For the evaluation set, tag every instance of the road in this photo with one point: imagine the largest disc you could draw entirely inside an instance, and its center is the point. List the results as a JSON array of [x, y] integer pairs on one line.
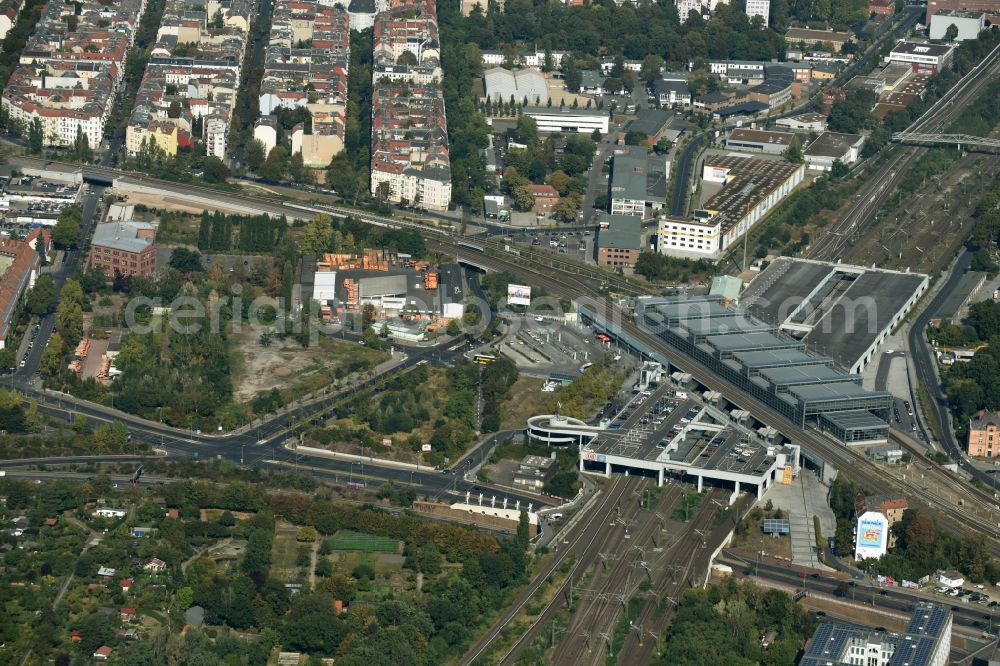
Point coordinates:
[[925, 367], [979, 514], [967, 614]]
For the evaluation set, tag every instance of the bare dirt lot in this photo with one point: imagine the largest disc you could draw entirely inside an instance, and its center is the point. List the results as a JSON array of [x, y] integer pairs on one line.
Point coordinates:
[[288, 366]]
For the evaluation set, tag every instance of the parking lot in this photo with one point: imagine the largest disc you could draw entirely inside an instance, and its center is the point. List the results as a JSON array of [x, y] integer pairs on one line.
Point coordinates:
[[547, 347]]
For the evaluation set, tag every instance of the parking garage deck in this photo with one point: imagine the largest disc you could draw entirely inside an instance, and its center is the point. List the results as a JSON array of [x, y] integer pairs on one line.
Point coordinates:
[[681, 438]]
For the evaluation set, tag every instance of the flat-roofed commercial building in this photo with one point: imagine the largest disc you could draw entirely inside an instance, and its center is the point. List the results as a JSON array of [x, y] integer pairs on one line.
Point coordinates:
[[583, 121], [968, 24], [929, 58], [926, 642], [832, 147], [619, 244], [990, 7], [810, 37], [769, 364], [751, 188], [759, 141], [839, 310], [637, 181]]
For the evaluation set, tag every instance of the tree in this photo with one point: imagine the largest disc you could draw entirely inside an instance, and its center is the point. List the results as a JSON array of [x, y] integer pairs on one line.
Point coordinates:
[[66, 232], [567, 208], [524, 198], [42, 297], [214, 170], [342, 178], [174, 110], [560, 181], [652, 66], [794, 152], [51, 363], [35, 136], [185, 260], [572, 76], [111, 437], [983, 261], [454, 328], [81, 146], [276, 165], [951, 33], [255, 154], [527, 129], [317, 236], [69, 320]]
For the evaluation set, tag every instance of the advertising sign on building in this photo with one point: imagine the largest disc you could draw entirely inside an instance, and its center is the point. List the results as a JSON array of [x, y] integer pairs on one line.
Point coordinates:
[[518, 294], [872, 537]]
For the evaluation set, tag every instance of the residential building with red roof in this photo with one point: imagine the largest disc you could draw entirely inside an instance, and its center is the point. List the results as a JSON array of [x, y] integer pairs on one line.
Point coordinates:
[[410, 159]]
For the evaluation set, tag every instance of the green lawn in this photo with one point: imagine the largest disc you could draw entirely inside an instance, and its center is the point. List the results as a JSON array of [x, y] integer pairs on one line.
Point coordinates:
[[350, 540]]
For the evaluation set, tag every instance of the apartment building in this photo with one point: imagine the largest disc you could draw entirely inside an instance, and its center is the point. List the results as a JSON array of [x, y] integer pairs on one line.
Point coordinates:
[[703, 7], [761, 8], [9, 11], [20, 261], [192, 78], [410, 159], [305, 66], [70, 70], [751, 188]]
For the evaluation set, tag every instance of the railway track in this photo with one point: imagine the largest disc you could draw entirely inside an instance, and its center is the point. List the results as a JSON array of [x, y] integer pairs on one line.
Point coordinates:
[[873, 196], [580, 543], [651, 623], [601, 543], [669, 573], [982, 519]]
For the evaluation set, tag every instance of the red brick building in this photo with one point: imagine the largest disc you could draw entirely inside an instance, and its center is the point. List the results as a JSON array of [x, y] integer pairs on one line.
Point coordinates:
[[126, 247], [882, 7], [546, 198], [984, 435]]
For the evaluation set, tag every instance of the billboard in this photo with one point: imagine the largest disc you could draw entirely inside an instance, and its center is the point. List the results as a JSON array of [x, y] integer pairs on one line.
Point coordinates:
[[872, 537], [518, 294]]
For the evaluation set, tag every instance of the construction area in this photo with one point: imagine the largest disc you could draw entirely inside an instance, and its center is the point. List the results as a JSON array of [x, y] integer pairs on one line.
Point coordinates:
[[411, 298]]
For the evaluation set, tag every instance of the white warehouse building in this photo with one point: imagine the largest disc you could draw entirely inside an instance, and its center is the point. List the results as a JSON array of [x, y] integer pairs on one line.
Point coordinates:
[[583, 121], [526, 84]]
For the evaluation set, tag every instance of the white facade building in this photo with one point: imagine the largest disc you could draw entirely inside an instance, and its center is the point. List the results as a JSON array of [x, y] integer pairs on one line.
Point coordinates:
[[216, 131], [752, 187], [569, 120], [969, 24], [928, 58], [761, 8]]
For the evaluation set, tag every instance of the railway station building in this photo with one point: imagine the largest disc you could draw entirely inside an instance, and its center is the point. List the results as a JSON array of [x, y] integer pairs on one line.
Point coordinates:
[[762, 361]]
